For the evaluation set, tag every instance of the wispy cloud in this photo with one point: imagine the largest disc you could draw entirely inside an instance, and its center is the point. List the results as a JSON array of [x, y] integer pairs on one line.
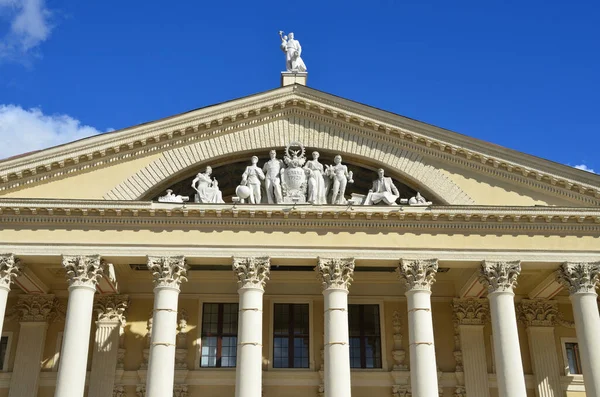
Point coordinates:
[[30, 25], [584, 168], [26, 130]]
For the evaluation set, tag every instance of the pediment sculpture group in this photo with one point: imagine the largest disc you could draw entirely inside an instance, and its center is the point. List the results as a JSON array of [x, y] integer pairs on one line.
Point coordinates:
[[296, 180]]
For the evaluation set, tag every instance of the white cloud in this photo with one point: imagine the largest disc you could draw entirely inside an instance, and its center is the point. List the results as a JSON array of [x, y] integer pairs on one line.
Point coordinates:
[[584, 168], [26, 130], [29, 26]]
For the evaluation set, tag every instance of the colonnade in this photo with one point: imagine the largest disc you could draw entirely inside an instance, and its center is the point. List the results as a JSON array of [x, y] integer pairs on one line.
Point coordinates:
[[336, 275]]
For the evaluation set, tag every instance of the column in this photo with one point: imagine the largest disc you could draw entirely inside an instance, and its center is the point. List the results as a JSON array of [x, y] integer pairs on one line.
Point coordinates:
[[10, 269], [111, 318], [500, 279], [471, 314], [336, 276], [252, 275], [419, 276], [582, 279], [538, 315], [83, 273], [168, 273], [34, 311]]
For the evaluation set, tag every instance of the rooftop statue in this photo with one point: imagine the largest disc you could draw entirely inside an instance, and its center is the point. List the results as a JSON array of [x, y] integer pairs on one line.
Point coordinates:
[[293, 52], [340, 177], [251, 178], [173, 198], [272, 169], [419, 200], [207, 189]]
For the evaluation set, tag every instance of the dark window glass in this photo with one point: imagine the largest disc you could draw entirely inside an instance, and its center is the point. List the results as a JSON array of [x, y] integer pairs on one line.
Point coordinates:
[[219, 335], [290, 335], [365, 337], [3, 347], [573, 358]]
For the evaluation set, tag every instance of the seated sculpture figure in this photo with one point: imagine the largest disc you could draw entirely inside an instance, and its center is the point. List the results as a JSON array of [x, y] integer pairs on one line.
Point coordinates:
[[383, 190], [173, 198], [207, 189]]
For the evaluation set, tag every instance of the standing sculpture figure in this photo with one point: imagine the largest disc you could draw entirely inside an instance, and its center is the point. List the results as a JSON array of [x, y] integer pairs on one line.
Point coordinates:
[[341, 177], [272, 170], [293, 51], [316, 183], [251, 178], [207, 190], [383, 190]]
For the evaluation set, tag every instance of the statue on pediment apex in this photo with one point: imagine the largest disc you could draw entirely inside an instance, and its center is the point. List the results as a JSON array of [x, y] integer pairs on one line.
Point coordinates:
[[293, 52], [207, 189]]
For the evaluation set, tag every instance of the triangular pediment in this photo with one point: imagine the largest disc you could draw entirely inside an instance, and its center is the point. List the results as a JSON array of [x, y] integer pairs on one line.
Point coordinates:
[[139, 162]]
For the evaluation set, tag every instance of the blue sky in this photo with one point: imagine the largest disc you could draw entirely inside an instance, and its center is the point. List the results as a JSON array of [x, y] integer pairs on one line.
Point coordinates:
[[524, 75]]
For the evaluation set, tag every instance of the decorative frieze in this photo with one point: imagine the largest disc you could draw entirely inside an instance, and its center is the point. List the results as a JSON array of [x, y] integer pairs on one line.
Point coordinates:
[[180, 391], [111, 308], [335, 273], [398, 353], [470, 311], [401, 391], [538, 312], [579, 277], [252, 272], [460, 391], [140, 390], [10, 269], [83, 270], [168, 271], [500, 276], [39, 308], [418, 274]]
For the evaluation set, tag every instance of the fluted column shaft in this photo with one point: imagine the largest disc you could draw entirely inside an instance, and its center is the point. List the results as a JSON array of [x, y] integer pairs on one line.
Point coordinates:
[[10, 269], [471, 314], [336, 276], [419, 275], [582, 280], [34, 312], [168, 273], [111, 317], [252, 275], [83, 272], [501, 278], [539, 316]]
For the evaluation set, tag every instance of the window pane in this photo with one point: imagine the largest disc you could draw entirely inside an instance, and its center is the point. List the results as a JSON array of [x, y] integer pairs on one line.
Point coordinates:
[[291, 335], [573, 358], [365, 336], [219, 335]]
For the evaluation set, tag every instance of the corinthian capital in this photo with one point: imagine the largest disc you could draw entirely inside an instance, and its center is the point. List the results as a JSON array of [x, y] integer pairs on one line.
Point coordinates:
[[537, 312], [252, 272], [335, 273], [500, 276], [471, 311], [418, 274], [579, 276], [35, 308], [168, 271], [83, 270], [10, 269], [111, 308]]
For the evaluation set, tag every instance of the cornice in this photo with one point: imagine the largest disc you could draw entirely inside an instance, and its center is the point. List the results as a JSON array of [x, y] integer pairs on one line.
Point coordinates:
[[583, 220], [183, 129]]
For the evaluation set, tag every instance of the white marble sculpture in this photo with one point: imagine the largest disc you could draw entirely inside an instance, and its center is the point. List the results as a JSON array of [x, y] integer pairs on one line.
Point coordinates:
[[383, 190], [418, 200], [340, 177], [293, 177], [173, 198], [293, 52], [207, 189], [272, 170], [317, 193], [251, 178]]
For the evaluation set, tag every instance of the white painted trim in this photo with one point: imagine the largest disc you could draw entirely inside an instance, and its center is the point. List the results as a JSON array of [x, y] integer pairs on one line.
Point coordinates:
[[292, 299], [8, 334], [563, 348], [357, 300], [229, 298]]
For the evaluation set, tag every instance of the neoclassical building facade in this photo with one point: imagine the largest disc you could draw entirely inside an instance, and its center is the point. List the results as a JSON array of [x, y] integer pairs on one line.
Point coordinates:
[[286, 276]]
